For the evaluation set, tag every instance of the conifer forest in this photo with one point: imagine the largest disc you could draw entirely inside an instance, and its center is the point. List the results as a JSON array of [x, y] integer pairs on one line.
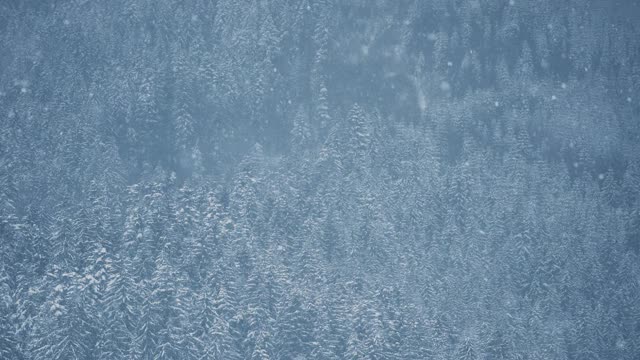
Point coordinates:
[[319, 179]]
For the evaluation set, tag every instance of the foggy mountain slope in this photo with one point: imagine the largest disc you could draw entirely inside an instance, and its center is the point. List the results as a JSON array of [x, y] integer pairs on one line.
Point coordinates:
[[319, 179]]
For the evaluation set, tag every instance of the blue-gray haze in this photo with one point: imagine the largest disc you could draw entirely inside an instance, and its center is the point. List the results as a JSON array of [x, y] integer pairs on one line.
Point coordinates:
[[319, 179]]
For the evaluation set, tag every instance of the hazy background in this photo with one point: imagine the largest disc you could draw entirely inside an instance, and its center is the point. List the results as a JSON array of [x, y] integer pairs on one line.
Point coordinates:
[[319, 179]]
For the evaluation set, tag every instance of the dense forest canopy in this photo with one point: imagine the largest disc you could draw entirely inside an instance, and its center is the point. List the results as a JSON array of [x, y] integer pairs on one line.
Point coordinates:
[[319, 179]]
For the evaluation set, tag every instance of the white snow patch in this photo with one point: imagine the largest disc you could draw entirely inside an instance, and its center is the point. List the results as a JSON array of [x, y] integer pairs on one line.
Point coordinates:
[[56, 309], [422, 100], [621, 344]]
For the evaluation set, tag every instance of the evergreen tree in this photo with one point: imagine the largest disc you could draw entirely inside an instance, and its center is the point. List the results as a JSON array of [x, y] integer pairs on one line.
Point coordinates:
[[64, 329], [359, 128], [9, 347]]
